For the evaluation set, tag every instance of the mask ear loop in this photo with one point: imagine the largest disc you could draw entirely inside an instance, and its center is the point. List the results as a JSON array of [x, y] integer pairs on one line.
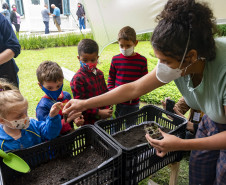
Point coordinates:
[[185, 52]]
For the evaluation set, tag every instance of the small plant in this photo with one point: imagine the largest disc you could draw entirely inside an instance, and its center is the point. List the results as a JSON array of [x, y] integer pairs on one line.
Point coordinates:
[[152, 130]]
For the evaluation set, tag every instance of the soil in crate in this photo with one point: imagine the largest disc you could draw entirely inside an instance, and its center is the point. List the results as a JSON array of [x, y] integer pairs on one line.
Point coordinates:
[[133, 136], [61, 170]]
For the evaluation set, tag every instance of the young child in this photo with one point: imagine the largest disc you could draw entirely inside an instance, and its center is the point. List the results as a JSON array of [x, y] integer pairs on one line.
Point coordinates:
[[50, 80], [16, 129], [89, 81], [126, 67]]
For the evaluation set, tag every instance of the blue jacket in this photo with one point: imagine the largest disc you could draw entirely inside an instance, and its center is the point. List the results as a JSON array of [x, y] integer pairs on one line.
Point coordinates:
[[36, 133], [45, 104], [8, 40]]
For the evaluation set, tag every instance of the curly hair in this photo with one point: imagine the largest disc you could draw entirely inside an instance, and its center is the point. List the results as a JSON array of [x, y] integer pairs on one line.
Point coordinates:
[[180, 17], [87, 46]]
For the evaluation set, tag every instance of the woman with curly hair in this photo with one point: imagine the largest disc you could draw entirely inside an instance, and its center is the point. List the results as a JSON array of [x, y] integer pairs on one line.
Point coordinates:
[[184, 43]]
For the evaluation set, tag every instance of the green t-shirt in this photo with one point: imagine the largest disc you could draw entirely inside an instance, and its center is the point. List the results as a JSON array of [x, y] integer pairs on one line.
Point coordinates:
[[210, 95]]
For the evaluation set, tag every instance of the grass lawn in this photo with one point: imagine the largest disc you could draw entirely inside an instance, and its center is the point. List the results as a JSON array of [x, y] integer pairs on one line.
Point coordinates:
[[29, 60]]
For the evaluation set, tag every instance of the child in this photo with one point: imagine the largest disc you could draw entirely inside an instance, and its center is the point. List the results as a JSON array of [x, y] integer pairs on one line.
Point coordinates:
[[126, 67], [50, 78], [17, 130], [194, 118], [89, 81]]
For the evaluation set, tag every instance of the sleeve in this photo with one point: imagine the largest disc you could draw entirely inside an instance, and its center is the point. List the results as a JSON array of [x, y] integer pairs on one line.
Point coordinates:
[[54, 11], [224, 85], [9, 38], [77, 87], [50, 128], [43, 109], [83, 10], [42, 113], [111, 77], [145, 68]]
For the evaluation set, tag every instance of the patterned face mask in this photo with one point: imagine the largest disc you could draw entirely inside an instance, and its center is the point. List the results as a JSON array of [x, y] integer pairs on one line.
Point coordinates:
[[18, 124], [89, 66]]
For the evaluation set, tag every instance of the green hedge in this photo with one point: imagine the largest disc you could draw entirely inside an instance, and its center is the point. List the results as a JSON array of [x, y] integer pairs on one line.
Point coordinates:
[[39, 42], [221, 30]]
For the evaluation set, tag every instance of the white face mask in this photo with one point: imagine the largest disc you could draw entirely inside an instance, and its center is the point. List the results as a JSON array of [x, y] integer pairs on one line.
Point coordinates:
[[18, 124], [127, 52], [166, 74]]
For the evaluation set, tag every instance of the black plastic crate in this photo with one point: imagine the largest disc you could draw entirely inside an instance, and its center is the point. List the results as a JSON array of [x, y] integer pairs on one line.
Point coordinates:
[[140, 161], [71, 145]]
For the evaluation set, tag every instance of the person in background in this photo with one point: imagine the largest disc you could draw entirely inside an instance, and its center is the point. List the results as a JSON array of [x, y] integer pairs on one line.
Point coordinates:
[[89, 81], [15, 19], [45, 16], [9, 49], [81, 16], [189, 54], [17, 130], [56, 16], [50, 80], [126, 67], [5, 11]]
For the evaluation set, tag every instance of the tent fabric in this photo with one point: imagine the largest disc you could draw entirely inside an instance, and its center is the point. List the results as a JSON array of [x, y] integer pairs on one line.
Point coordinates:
[[107, 17]]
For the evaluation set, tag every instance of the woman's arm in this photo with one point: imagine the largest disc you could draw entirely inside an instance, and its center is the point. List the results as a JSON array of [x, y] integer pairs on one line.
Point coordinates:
[[10, 42], [6, 55], [120, 94], [173, 143], [126, 92]]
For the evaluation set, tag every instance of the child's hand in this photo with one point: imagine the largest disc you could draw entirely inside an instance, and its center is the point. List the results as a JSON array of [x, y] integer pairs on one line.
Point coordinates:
[[105, 113], [56, 107], [164, 103], [73, 115], [79, 121]]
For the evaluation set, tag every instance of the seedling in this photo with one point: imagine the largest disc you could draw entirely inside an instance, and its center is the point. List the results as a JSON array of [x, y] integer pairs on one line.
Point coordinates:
[[153, 130]]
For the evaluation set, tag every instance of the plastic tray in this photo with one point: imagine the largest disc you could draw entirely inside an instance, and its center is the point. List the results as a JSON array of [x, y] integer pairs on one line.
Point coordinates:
[[109, 172], [140, 161]]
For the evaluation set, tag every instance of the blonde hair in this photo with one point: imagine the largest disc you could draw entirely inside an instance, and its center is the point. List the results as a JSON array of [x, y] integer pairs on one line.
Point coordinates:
[[9, 96]]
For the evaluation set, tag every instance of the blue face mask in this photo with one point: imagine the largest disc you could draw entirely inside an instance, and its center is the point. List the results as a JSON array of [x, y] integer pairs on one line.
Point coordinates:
[[53, 94]]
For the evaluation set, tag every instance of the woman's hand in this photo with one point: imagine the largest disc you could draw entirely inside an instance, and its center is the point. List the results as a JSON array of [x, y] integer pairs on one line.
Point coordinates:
[[167, 144], [73, 107]]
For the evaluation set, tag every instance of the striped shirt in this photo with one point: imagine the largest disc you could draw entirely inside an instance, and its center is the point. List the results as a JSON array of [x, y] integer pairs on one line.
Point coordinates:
[[125, 69]]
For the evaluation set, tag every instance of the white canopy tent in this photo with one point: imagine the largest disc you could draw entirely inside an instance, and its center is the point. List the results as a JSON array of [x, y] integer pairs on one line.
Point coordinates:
[[107, 17]]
